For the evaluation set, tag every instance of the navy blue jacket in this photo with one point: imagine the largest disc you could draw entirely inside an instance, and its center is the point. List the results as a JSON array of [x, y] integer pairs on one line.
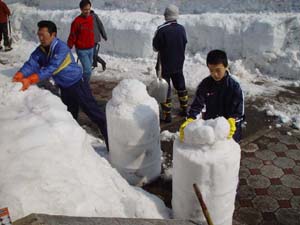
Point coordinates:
[[58, 63], [221, 98], [170, 41]]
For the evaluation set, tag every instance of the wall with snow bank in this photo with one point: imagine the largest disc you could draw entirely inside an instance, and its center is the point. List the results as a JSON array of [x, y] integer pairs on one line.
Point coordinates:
[[48, 165], [191, 6], [267, 42], [209, 159]]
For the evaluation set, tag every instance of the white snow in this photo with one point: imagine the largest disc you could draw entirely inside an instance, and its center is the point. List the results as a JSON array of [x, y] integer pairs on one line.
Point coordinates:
[[48, 165], [209, 159], [133, 131]]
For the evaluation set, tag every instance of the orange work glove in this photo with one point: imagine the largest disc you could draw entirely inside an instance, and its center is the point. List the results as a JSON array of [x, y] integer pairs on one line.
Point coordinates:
[[18, 77], [32, 79]]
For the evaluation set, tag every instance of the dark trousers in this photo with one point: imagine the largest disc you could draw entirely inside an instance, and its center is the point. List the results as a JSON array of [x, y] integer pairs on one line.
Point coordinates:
[[97, 58], [80, 95], [4, 32], [238, 133], [177, 81]]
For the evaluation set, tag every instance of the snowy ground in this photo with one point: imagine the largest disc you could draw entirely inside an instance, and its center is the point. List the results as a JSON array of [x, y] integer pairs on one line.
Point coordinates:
[[37, 152]]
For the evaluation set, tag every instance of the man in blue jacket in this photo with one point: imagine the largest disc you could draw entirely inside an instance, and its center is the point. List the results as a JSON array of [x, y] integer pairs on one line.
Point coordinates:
[[220, 94], [54, 58], [170, 41]]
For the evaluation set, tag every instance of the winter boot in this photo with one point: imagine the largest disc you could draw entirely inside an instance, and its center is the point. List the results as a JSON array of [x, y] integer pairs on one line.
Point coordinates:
[[7, 48], [183, 99], [1, 47], [166, 111]]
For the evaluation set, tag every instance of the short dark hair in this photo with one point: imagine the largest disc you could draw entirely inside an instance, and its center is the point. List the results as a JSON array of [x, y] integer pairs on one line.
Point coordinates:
[[217, 57], [49, 24], [84, 3]]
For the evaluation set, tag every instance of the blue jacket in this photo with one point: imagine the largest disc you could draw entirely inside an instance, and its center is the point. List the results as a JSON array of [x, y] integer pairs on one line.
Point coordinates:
[[57, 62], [170, 41], [221, 98]]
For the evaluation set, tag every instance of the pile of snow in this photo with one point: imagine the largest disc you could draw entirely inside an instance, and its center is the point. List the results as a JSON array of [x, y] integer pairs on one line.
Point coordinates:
[[133, 127], [191, 6], [257, 39], [48, 166], [209, 159]]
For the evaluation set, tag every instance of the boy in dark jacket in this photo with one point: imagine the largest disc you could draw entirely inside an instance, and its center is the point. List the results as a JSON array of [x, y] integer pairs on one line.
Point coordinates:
[[170, 41], [99, 32], [220, 94], [54, 58]]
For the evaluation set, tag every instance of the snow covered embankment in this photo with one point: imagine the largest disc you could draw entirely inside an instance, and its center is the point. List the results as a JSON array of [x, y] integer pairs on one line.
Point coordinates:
[[269, 42], [48, 166]]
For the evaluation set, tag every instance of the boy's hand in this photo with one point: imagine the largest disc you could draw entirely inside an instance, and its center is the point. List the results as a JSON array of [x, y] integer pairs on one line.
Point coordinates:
[[32, 79], [18, 77], [232, 130], [181, 129]]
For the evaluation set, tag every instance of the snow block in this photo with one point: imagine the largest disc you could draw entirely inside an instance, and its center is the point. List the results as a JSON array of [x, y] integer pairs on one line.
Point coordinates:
[[209, 159], [133, 132]]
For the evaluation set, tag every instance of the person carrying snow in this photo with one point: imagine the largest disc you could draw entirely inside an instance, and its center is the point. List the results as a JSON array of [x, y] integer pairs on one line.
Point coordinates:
[[4, 14], [220, 94], [99, 32], [82, 36], [54, 58], [170, 42]]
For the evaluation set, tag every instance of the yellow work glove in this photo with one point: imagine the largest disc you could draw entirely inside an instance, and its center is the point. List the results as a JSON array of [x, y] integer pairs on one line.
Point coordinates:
[[181, 129], [232, 130]]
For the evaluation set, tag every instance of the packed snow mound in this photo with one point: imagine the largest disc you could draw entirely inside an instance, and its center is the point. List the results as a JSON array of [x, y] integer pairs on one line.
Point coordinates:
[[191, 6], [267, 43], [133, 126], [48, 166], [201, 132], [209, 159]]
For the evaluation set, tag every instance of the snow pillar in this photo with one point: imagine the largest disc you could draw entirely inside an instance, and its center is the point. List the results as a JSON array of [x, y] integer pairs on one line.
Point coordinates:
[[209, 159], [133, 132]]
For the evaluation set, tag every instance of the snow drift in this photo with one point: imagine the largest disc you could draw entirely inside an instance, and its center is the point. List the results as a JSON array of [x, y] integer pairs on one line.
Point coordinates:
[[48, 166]]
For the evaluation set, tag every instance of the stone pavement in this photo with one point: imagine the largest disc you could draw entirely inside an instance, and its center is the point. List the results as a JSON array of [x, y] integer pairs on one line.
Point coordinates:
[[269, 187], [43, 219]]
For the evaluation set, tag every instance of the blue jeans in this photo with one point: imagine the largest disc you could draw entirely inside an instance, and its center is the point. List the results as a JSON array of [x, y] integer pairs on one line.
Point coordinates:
[[86, 59]]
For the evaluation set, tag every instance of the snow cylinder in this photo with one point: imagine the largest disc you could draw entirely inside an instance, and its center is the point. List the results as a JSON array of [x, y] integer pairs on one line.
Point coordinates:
[[205, 157], [134, 132]]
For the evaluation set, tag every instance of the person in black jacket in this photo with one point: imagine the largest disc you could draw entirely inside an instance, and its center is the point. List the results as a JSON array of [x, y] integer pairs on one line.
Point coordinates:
[[220, 94], [99, 32], [170, 42]]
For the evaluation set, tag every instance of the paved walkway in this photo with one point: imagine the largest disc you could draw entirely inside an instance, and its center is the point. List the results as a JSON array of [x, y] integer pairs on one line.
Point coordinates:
[[269, 188]]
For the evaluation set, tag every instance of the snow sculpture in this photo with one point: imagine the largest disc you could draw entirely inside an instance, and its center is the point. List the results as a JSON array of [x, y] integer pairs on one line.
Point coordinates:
[[209, 159], [133, 131]]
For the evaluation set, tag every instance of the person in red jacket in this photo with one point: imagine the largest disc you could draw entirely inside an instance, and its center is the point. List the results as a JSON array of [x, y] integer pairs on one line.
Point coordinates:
[[82, 37], [4, 14]]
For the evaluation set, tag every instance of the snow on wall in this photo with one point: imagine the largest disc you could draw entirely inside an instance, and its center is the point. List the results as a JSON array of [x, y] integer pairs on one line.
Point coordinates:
[[268, 42], [191, 6]]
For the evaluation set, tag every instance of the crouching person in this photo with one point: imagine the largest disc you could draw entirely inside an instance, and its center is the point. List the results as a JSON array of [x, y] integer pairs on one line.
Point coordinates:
[[54, 58], [220, 94]]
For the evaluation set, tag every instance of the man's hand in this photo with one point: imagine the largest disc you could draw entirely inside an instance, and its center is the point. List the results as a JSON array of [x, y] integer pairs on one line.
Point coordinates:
[[232, 130], [32, 79], [181, 129], [18, 77]]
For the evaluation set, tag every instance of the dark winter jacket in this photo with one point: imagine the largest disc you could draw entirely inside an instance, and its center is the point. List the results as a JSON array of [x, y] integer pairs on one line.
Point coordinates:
[[4, 12], [170, 41], [58, 62], [82, 33], [99, 30], [221, 98]]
